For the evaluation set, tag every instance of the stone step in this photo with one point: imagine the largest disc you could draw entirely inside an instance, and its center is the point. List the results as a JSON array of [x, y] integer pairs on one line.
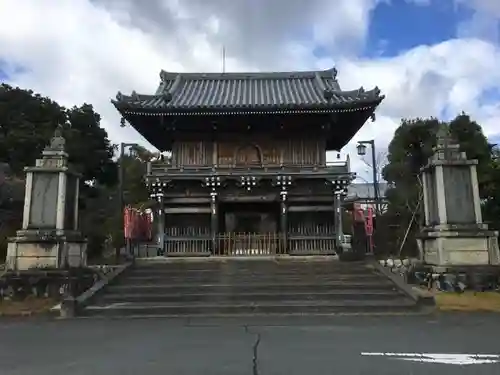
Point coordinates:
[[263, 266], [256, 287], [248, 278], [250, 296], [282, 271], [295, 307], [267, 264]]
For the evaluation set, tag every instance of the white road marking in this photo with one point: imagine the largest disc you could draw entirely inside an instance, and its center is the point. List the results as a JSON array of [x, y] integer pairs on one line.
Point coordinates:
[[443, 358]]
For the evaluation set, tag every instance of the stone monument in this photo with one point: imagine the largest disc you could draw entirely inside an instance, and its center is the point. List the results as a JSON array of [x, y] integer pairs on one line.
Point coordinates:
[[454, 233], [49, 237]]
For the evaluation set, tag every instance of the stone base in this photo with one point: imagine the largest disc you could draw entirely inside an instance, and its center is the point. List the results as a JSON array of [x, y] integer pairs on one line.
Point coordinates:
[[46, 249], [444, 248]]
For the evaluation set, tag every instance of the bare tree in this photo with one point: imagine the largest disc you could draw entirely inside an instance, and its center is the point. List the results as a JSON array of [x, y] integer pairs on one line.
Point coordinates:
[[380, 162]]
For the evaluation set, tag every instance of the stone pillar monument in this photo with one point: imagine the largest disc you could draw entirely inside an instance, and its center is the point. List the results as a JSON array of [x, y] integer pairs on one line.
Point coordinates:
[[454, 233], [49, 237]]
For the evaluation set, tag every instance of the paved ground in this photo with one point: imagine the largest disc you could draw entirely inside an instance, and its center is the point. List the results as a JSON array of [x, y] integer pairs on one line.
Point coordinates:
[[246, 345]]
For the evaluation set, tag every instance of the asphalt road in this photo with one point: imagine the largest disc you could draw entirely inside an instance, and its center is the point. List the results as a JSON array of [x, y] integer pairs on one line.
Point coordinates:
[[247, 345]]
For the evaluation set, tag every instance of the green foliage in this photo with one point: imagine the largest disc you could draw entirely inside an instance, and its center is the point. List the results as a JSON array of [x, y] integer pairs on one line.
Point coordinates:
[[135, 192], [491, 207], [134, 167], [28, 121], [408, 151], [88, 146]]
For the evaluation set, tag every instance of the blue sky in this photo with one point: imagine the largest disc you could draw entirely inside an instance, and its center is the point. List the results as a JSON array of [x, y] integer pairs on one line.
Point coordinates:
[[6, 69], [401, 25]]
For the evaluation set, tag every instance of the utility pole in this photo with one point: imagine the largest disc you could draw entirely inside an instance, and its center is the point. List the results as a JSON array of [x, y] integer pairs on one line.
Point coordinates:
[[121, 176]]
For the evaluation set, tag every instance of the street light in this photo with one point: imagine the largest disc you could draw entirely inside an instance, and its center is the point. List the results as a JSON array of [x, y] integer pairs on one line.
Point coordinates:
[[123, 146], [361, 148]]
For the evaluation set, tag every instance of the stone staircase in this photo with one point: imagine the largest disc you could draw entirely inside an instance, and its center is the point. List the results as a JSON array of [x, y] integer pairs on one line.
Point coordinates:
[[215, 287]]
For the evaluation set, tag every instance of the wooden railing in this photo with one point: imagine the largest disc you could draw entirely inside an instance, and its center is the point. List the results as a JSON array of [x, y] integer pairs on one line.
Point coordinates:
[[249, 244], [317, 245], [246, 244], [158, 169], [188, 246]]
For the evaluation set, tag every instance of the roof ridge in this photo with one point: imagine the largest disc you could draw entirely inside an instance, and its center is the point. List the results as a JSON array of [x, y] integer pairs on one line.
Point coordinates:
[[170, 76]]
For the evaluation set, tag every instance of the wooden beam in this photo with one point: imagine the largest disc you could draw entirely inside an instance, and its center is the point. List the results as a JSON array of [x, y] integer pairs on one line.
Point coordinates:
[[187, 210], [187, 200], [310, 208], [250, 199], [316, 198]]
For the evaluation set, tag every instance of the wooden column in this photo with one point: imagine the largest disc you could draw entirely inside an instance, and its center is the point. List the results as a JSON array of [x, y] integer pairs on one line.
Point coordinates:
[[339, 192], [214, 220], [161, 224], [284, 221], [338, 219]]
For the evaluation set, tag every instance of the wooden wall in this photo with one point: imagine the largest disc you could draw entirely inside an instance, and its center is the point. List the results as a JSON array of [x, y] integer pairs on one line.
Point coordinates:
[[249, 152], [192, 153]]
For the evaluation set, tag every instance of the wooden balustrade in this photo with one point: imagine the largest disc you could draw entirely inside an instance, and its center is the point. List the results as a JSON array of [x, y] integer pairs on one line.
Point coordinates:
[[249, 244]]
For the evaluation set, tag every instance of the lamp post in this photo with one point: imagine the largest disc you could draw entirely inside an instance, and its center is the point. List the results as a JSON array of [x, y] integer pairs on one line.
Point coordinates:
[[121, 171], [361, 148]]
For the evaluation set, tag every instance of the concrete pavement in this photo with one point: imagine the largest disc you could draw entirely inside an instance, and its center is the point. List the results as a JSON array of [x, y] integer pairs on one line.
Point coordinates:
[[255, 346]]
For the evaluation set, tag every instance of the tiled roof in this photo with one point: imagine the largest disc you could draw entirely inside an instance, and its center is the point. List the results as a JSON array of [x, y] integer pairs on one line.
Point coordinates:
[[252, 91]]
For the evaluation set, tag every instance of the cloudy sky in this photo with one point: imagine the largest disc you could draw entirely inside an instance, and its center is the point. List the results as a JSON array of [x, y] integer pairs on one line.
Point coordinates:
[[429, 57]]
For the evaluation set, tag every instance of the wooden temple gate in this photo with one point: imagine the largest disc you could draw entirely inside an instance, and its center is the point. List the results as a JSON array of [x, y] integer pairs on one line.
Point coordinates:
[[248, 171], [253, 215]]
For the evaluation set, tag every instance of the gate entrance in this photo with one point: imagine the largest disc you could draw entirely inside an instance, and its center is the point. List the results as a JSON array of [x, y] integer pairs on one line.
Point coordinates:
[[250, 228]]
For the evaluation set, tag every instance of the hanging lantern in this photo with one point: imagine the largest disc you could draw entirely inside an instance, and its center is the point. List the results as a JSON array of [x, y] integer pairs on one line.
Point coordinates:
[[361, 149]]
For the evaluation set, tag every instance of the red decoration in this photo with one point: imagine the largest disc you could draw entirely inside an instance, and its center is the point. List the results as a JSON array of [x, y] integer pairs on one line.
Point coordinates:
[[137, 225], [359, 214], [369, 222]]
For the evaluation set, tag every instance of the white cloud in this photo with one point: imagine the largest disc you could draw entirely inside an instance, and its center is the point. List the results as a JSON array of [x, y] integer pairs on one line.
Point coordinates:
[[82, 51], [485, 20]]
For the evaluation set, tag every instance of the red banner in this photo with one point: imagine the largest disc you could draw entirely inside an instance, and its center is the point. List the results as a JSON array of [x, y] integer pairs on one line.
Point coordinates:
[[359, 214], [369, 222], [137, 225]]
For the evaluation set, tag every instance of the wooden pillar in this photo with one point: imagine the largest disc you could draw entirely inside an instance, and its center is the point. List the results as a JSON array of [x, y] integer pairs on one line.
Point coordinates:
[[284, 221], [214, 220], [338, 219], [161, 224]]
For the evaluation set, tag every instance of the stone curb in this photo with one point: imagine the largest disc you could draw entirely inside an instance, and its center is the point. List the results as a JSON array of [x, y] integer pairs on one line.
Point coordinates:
[[70, 307], [420, 297]]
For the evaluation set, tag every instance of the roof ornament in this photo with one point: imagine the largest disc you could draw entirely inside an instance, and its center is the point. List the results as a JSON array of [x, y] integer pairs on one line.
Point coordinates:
[[334, 73], [135, 96], [163, 75], [167, 96], [327, 94], [119, 96], [57, 142]]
